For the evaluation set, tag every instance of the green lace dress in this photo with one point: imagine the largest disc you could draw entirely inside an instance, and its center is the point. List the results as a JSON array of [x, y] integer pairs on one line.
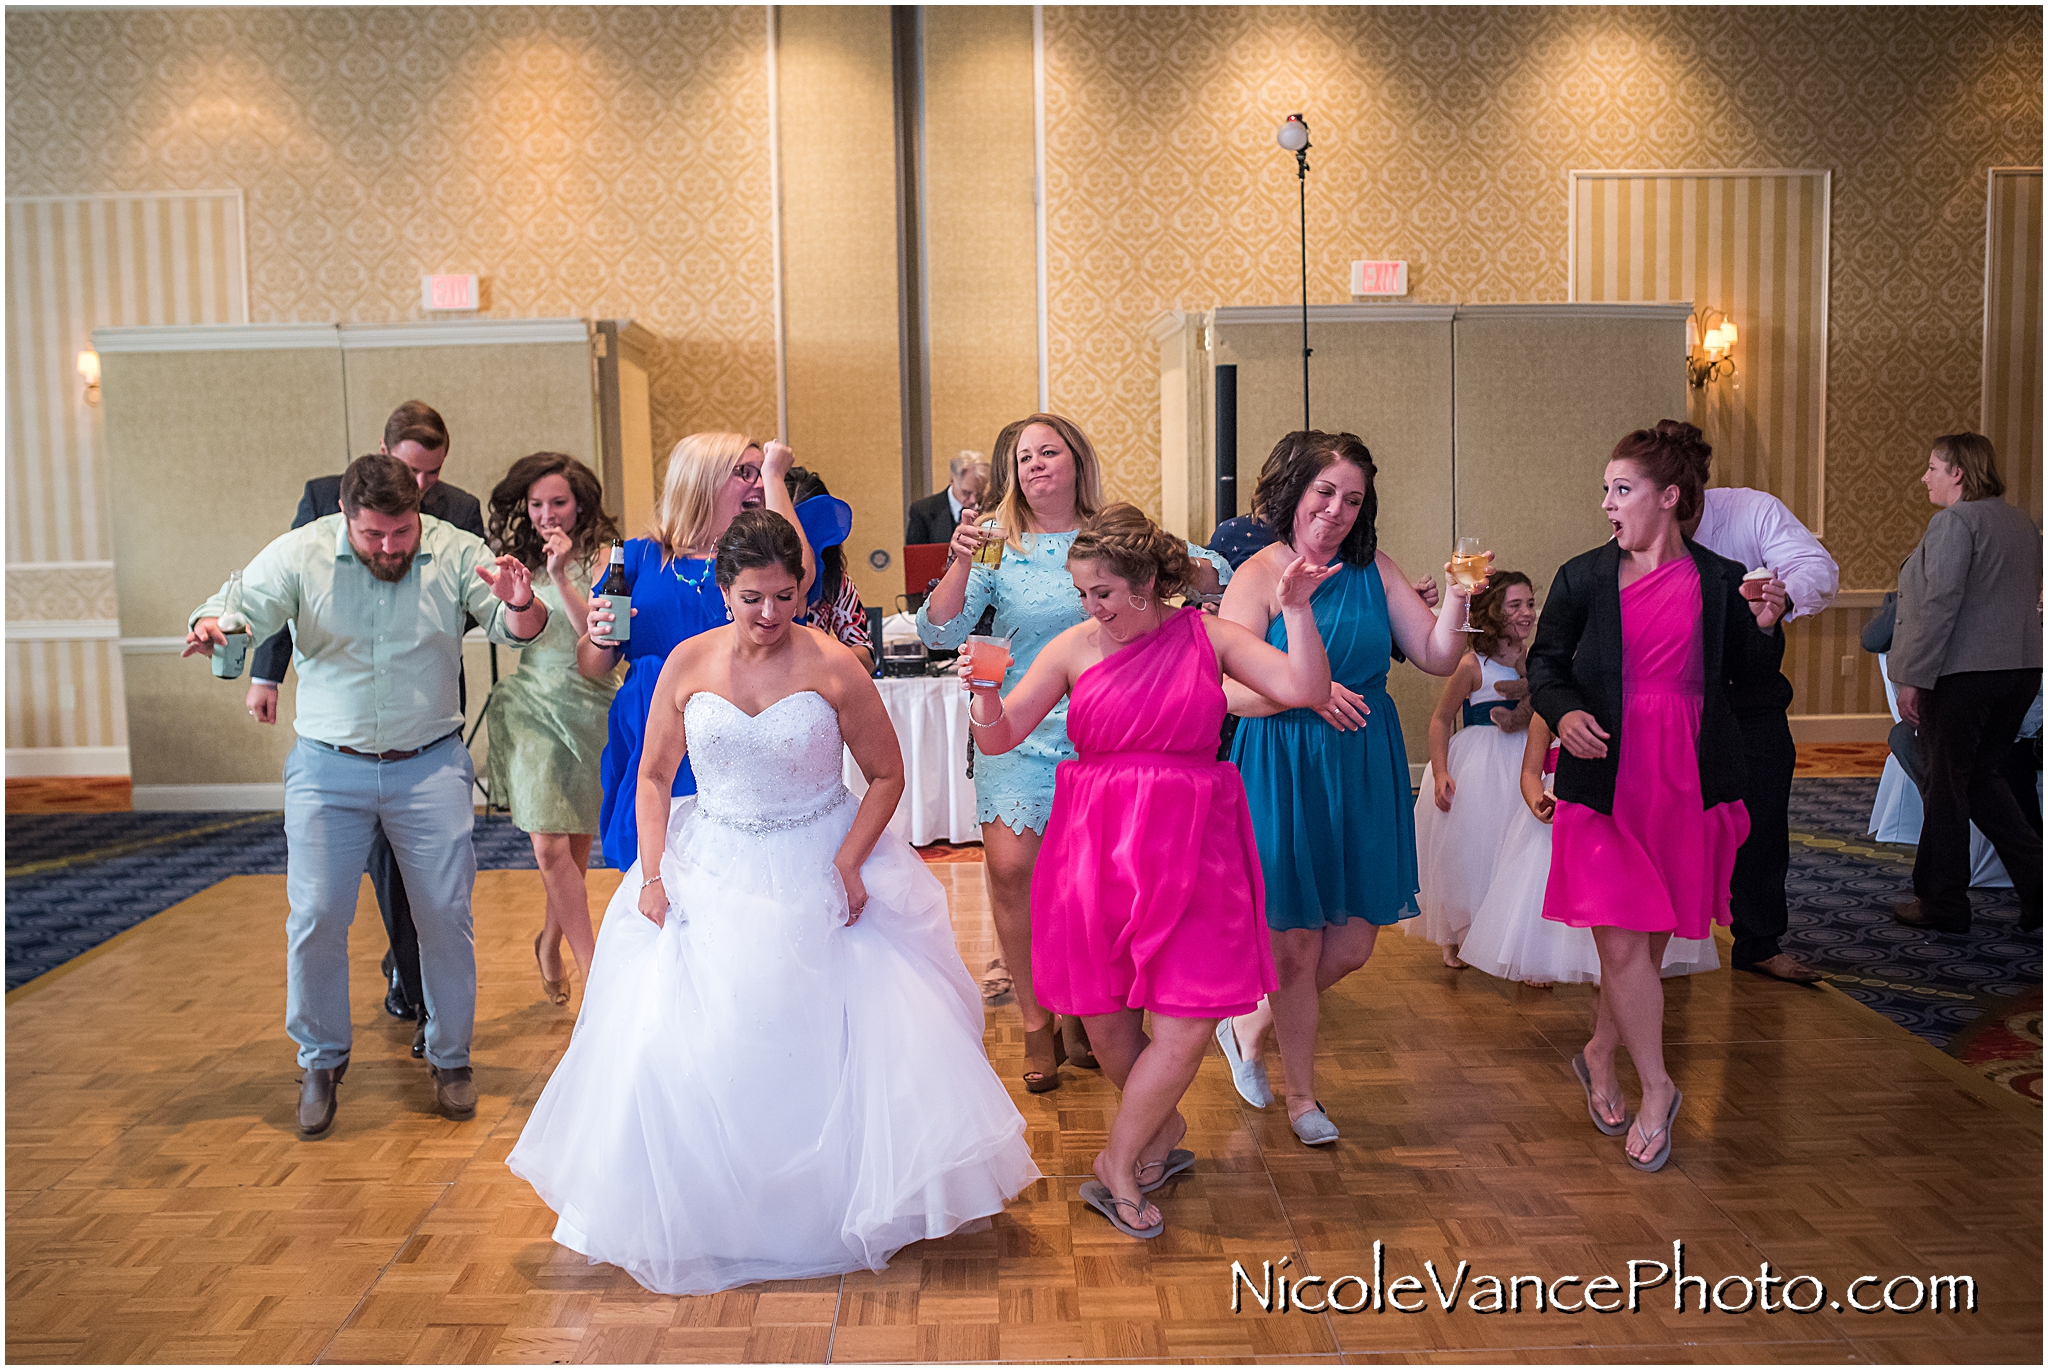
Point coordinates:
[[546, 725]]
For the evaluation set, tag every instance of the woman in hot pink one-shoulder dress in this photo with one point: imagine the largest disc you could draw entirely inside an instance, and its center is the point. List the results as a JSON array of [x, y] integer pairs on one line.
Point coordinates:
[[1153, 865], [1149, 877]]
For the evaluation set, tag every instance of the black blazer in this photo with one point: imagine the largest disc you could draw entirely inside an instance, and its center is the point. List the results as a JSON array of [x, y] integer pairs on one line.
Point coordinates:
[[930, 520], [1575, 663], [323, 497]]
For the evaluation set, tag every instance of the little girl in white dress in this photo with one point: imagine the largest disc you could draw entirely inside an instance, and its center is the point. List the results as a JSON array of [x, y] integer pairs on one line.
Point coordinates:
[[1509, 937], [1468, 795]]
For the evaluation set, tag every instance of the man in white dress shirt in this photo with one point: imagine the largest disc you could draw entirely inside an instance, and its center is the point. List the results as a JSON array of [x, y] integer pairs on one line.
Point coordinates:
[[1756, 529]]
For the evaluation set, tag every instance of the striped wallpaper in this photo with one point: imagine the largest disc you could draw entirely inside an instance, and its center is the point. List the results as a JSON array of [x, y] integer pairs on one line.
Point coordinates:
[[76, 263], [2012, 330], [1816, 649], [1754, 245]]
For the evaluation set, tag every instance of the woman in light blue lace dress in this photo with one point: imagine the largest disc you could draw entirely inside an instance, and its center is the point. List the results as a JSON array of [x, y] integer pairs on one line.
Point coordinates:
[[1044, 480]]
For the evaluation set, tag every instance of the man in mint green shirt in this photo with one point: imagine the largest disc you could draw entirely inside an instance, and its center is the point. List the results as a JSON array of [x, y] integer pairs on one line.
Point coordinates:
[[376, 596]]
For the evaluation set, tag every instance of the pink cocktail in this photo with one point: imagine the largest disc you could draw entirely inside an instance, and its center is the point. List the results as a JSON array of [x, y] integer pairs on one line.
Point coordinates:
[[988, 660]]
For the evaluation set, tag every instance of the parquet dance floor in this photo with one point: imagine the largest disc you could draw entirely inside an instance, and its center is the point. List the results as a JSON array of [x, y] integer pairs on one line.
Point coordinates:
[[160, 1206]]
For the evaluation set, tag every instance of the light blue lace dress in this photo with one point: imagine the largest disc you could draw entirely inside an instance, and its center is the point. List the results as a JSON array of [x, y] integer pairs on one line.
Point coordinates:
[[1035, 602]]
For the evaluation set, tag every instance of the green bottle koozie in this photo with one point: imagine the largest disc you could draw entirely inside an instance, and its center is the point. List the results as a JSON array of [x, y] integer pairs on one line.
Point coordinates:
[[229, 656], [622, 617]]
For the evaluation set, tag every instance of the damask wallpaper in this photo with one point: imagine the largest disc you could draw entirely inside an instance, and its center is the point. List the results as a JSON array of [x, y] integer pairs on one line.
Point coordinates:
[[594, 162], [1443, 136], [615, 162]]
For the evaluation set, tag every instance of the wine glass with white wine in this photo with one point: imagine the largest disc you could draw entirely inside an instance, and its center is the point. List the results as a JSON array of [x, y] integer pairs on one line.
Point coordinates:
[[1470, 565]]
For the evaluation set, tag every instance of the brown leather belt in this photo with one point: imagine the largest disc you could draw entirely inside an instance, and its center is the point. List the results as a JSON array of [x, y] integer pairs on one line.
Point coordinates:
[[392, 756]]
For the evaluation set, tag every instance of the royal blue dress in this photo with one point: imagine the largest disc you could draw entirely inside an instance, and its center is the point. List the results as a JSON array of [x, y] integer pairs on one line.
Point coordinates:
[[671, 603], [1332, 810]]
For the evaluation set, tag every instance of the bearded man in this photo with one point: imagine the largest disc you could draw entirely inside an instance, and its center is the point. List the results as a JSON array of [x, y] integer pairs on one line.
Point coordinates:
[[378, 594]]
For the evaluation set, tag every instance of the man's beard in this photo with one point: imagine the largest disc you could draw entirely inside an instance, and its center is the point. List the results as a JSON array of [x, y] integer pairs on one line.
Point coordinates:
[[387, 566]]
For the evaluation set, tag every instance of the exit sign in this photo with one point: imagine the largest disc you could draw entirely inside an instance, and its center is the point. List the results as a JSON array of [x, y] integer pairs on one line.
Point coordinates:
[[1379, 278], [448, 293]]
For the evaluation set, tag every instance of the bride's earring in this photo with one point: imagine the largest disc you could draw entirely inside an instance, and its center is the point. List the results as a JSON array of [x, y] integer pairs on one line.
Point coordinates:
[[1140, 604], [728, 611]]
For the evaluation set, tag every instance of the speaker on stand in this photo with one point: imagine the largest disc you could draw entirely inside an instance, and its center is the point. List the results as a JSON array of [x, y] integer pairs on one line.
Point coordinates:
[[1226, 442]]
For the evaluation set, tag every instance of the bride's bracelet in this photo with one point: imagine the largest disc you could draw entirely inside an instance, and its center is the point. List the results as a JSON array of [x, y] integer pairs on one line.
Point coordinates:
[[974, 722]]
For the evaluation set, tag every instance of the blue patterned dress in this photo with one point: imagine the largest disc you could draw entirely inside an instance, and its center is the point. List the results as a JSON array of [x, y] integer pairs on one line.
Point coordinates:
[[671, 603], [1035, 601], [1332, 810]]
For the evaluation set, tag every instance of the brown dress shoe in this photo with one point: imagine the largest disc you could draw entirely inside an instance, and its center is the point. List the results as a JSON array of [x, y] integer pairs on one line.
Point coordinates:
[[454, 1091], [1914, 914], [1787, 967], [316, 1100]]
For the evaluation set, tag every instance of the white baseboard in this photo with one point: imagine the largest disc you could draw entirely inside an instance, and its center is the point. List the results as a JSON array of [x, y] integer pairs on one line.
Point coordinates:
[[259, 798], [1841, 727], [23, 762]]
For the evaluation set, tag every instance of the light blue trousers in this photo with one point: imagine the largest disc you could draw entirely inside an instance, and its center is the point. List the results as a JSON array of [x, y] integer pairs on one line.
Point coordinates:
[[333, 807]]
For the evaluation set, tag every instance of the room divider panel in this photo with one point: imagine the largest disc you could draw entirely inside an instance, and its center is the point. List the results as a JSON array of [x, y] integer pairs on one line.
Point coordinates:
[[212, 433], [1488, 420]]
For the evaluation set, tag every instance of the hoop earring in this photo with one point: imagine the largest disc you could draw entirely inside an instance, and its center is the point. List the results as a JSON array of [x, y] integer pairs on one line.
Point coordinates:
[[1140, 604]]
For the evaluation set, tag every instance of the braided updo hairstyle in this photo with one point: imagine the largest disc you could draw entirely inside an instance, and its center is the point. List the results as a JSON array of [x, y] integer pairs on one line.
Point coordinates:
[[1672, 453], [757, 538], [1137, 549]]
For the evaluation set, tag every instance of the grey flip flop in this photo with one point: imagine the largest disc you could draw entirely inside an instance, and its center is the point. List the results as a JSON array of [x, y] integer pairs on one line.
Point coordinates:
[[1176, 1161], [1663, 1154], [1097, 1196], [1585, 1074]]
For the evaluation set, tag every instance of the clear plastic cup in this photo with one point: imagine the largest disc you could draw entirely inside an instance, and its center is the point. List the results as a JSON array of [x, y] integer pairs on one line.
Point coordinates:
[[988, 659]]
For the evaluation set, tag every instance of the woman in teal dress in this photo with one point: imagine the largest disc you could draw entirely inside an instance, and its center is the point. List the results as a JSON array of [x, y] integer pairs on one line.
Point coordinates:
[[1332, 807], [545, 721], [1044, 481]]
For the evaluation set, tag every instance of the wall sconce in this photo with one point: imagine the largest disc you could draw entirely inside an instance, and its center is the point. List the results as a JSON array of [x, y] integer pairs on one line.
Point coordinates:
[[1709, 343], [89, 372]]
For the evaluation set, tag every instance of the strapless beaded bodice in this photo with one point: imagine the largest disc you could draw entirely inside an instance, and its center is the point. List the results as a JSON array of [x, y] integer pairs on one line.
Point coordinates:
[[765, 772]]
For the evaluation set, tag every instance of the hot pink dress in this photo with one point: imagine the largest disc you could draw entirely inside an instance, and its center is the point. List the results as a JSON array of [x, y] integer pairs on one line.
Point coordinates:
[[1658, 863], [1147, 892]]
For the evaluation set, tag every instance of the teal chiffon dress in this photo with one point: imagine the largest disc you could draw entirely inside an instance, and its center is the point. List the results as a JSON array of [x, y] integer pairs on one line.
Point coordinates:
[[1332, 810]]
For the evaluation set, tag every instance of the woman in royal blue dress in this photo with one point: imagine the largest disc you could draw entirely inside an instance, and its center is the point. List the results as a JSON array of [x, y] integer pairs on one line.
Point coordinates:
[[711, 478], [1331, 803]]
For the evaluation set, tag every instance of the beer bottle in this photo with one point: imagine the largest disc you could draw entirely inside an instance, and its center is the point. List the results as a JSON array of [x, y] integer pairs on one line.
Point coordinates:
[[620, 594], [229, 656]]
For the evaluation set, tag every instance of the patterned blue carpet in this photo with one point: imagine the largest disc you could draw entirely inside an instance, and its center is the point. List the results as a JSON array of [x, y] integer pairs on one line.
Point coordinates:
[[74, 880], [77, 879], [1841, 890]]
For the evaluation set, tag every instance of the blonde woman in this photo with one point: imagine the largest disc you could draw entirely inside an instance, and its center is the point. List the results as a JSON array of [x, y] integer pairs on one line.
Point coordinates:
[[1044, 482], [711, 477]]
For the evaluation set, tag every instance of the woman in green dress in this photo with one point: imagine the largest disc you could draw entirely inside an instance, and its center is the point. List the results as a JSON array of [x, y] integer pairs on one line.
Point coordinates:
[[547, 722]]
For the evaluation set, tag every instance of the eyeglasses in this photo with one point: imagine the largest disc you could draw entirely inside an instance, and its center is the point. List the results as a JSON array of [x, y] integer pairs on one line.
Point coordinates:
[[747, 471]]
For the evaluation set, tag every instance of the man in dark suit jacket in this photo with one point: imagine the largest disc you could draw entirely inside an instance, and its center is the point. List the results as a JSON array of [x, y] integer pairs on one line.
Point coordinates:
[[933, 518], [415, 435]]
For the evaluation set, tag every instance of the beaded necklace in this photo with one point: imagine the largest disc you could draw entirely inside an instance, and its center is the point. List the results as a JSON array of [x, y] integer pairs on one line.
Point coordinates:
[[695, 582]]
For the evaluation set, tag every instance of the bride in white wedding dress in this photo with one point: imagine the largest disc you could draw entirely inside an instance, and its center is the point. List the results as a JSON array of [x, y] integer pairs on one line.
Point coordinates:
[[778, 1070]]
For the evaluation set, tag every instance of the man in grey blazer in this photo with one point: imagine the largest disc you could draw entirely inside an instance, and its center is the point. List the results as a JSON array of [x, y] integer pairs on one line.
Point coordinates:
[[1966, 657]]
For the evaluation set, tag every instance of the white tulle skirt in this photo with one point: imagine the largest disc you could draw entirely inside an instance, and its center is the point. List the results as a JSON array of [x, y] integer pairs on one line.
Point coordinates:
[[756, 1091], [1510, 938], [1455, 852]]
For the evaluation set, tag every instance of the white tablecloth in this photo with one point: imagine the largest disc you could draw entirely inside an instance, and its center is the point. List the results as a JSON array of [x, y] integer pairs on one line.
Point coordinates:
[[930, 714]]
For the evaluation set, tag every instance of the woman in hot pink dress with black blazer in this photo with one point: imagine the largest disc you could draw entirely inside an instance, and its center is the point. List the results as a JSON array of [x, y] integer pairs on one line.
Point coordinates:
[[1638, 648]]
